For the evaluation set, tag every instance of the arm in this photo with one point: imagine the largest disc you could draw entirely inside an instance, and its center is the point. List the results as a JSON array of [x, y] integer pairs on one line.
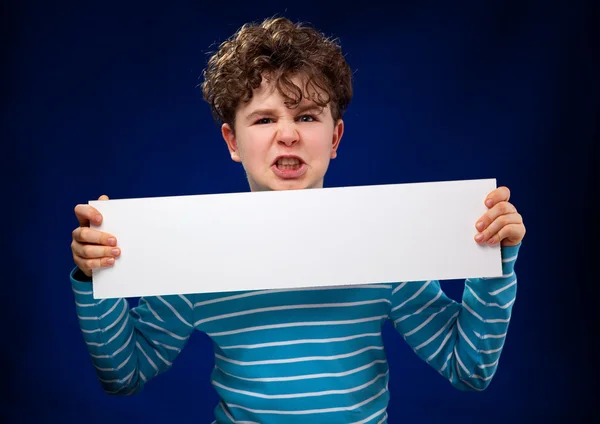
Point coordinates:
[[462, 341], [128, 347]]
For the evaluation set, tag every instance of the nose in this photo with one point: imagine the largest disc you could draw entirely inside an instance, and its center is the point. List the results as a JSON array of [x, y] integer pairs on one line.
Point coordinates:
[[287, 133]]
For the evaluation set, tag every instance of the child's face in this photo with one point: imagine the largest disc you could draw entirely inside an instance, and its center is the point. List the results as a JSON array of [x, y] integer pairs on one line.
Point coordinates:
[[267, 130]]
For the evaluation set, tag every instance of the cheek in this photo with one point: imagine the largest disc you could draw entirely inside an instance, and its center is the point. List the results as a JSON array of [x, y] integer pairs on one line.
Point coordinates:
[[321, 142], [253, 149]]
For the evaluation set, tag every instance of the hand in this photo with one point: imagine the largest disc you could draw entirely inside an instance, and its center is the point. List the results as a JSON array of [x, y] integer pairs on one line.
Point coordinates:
[[92, 248], [501, 223]]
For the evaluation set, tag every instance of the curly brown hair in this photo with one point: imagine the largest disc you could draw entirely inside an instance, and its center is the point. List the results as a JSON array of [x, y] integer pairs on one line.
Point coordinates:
[[277, 49]]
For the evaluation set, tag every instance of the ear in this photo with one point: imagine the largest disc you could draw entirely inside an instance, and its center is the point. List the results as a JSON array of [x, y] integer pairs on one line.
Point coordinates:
[[338, 132], [229, 137]]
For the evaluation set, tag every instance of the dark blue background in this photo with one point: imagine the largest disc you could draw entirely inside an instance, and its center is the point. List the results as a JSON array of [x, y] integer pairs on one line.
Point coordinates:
[[101, 98]]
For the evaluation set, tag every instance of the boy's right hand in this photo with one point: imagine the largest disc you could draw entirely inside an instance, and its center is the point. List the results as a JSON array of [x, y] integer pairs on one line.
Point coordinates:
[[92, 248]]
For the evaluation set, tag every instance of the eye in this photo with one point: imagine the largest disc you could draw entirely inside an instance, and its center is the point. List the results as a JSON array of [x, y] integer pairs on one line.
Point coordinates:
[[307, 118], [263, 121]]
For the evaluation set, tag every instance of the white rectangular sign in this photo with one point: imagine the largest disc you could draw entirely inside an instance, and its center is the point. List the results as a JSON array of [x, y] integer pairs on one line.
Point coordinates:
[[299, 238]]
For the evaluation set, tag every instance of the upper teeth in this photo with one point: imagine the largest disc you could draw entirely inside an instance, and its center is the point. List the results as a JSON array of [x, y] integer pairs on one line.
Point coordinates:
[[288, 161]]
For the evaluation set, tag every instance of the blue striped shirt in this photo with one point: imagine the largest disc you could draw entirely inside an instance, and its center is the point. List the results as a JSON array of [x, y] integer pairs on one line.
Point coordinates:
[[307, 354]]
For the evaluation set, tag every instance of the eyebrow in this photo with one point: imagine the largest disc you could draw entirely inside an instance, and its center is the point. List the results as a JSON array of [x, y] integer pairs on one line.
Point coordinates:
[[270, 112]]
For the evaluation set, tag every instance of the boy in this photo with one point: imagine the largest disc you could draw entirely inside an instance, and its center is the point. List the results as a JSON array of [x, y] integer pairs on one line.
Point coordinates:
[[311, 354]]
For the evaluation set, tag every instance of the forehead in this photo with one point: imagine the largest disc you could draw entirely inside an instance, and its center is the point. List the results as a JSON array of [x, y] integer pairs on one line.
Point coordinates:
[[267, 94]]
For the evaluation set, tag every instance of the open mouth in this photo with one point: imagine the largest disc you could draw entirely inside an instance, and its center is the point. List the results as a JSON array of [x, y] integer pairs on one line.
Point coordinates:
[[289, 167], [288, 162]]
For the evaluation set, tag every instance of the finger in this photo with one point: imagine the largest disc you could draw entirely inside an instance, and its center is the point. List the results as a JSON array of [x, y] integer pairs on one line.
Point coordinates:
[[88, 235], [92, 251], [499, 209], [87, 265], [491, 234], [510, 235], [86, 214], [500, 194]]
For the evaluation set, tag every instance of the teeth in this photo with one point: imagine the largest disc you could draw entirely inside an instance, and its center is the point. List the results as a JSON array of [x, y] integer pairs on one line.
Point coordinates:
[[288, 161]]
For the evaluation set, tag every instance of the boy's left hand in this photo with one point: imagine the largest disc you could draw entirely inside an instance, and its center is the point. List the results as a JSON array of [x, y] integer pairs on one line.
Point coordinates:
[[501, 223]]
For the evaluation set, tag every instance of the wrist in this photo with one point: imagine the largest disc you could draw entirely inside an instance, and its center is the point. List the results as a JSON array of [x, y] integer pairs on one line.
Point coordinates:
[[79, 276]]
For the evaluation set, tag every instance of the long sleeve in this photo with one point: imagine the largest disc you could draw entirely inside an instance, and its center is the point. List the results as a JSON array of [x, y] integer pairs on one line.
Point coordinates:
[[128, 347], [463, 341]]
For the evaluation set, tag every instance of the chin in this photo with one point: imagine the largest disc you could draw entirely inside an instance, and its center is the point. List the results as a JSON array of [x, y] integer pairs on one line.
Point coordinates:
[[290, 185]]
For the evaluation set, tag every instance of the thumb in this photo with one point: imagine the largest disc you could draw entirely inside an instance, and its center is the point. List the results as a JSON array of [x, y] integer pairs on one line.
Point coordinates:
[[103, 197]]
